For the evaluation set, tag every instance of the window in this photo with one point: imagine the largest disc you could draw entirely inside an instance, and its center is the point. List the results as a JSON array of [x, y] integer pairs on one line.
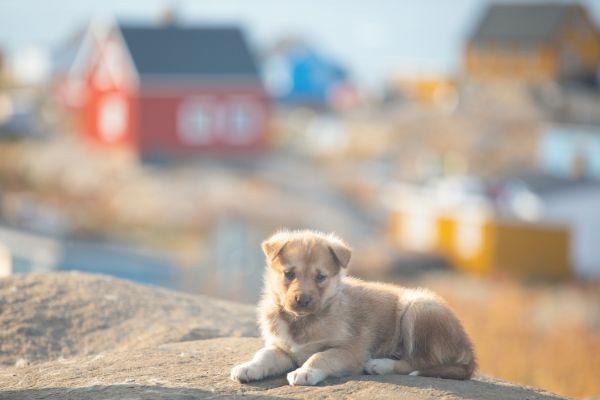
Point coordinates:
[[195, 121], [243, 121], [112, 117]]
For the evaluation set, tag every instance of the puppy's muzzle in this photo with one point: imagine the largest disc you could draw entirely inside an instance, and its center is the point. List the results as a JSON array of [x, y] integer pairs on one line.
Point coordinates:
[[303, 300]]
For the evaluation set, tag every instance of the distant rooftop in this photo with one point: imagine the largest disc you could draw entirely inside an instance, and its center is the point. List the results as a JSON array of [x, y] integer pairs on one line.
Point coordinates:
[[179, 51], [527, 24], [544, 184]]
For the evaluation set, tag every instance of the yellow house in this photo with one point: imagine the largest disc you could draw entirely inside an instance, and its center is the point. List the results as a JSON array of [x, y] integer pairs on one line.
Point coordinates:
[[474, 240], [533, 42]]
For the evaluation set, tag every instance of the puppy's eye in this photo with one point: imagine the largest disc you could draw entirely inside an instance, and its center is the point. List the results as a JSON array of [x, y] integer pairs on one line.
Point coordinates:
[[289, 275], [320, 277]]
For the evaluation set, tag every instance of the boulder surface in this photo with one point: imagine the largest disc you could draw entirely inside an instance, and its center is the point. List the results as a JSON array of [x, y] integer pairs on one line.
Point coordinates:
[[78, 336]]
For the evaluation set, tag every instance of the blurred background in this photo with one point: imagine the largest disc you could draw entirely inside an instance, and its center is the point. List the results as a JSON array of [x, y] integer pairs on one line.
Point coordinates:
[[454, 145]]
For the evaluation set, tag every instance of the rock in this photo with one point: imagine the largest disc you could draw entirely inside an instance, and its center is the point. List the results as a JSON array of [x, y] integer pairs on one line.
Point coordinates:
[[200, 369], [84, 337], [63, 314]]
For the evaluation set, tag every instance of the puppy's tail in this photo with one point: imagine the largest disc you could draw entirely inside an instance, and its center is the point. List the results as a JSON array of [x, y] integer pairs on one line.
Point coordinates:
[[448, 371]]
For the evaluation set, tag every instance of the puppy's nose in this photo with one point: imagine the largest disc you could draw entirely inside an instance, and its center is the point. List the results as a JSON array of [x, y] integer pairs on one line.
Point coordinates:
[[303, 300]]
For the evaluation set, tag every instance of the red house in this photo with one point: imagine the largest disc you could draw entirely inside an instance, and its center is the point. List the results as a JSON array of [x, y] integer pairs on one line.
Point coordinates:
[[169, 91]]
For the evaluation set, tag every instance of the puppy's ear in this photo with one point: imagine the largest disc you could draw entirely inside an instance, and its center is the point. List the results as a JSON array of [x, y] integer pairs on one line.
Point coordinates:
[[341, 252], [274, 245]]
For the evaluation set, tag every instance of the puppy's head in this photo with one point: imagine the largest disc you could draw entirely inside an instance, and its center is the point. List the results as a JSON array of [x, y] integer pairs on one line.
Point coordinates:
[[304, 269]]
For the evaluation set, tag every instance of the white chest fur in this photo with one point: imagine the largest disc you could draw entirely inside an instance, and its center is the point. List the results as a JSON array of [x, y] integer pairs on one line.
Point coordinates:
[[281, 338]]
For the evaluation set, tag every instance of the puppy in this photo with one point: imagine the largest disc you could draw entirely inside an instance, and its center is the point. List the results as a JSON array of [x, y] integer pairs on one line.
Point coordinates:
[[316, 322]]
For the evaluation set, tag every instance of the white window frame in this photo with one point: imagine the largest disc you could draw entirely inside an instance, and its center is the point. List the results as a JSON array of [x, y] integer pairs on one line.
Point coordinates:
[[194, 137], [232, 133]]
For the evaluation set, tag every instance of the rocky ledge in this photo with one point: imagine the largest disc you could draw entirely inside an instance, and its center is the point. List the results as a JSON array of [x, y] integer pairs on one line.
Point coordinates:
[[78, 336]]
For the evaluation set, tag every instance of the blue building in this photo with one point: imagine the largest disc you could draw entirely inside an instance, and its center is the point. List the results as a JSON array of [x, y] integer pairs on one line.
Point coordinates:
[[571, 151], [297, 74]]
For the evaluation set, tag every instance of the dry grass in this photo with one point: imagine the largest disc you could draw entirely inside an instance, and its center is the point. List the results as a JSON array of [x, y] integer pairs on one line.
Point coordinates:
[[543, 336]]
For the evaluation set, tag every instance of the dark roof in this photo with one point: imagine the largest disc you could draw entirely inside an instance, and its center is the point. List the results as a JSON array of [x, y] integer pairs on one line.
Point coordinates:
[[526, 24], [545, 185], [189, 52]]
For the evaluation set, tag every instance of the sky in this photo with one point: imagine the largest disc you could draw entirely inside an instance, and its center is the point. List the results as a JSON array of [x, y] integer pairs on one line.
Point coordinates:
[[372, 38]]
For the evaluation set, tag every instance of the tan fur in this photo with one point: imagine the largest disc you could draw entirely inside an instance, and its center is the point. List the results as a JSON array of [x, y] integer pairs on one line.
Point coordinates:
[[349, 325]]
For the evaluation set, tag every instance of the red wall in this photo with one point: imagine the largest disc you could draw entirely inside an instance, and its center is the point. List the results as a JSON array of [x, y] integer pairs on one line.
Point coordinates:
[[91, 119], [158, 129], [95, 95]]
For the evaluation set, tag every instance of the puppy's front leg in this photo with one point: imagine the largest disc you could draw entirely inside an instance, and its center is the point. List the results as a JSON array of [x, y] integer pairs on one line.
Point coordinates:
[[268, 361], [332, 362]]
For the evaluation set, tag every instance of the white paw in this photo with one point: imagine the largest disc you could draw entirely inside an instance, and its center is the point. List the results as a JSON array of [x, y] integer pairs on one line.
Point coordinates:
[[379, 366], [305, 377], [414, 373], [247, 372]]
